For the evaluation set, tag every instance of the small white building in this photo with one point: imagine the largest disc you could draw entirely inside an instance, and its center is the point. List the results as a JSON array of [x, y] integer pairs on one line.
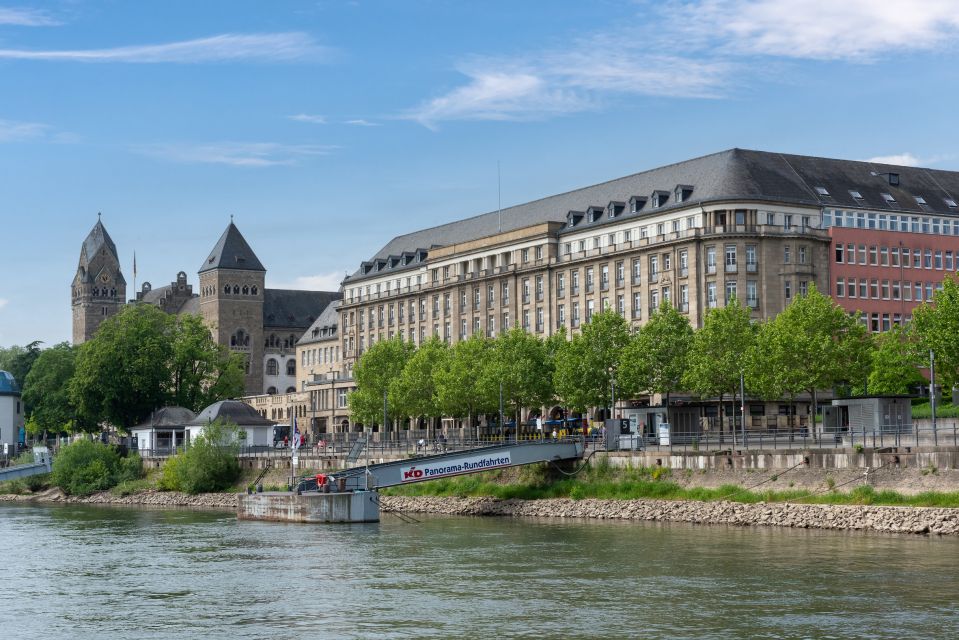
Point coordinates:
[[163, 432], [11, 413], [258, 431]]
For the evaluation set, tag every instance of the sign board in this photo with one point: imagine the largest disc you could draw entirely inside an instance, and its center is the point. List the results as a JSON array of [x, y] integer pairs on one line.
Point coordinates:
[[444, 468], [663, 432]]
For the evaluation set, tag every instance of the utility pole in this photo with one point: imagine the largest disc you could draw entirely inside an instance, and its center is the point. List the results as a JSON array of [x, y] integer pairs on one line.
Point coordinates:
[[932, 395], [742, 406]]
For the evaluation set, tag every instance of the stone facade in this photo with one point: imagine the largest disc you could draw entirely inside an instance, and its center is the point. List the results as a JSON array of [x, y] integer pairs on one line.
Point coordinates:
[[99, 289]]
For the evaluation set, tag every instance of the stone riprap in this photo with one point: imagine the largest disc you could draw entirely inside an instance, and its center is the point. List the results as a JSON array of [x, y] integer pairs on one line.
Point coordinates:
[[150, 497], [802, 516]]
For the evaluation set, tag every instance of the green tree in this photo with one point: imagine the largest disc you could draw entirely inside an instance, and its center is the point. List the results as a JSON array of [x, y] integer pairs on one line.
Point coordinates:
[[202, 371], [894, 364], [85, 466], [375, 373], [519, 363], [936, 328], [18, 361], [813, 344], [586, 364], [718, 353], [655, 359], [124, 372], [47, 392], [414, 389], [458, 380]]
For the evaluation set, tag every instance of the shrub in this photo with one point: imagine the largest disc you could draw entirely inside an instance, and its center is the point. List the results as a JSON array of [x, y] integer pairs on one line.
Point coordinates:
[[209, 464], [87, 466]]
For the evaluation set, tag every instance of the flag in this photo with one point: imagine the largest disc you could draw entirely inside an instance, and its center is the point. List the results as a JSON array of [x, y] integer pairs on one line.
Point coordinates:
[[134, 265], [295, 438]]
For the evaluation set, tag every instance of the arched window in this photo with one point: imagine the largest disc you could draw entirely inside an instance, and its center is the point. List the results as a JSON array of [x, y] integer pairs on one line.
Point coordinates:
[[271, 367], [226, 289], [236, 289], [246, 290], [113, 293], [254, 289], [291, 367], [271, 391], [96, 291], [291, 389]]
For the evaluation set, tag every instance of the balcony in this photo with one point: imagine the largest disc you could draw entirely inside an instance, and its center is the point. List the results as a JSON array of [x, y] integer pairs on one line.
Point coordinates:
[[732, 268], [752, 303], [751, 267], [710, 268], [575, 290]]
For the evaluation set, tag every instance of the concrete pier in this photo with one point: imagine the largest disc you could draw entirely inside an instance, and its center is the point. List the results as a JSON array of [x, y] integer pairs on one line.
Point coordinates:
[[350, 506]]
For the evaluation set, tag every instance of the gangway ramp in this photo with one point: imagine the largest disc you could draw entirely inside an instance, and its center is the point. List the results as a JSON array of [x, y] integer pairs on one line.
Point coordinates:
[[445, 465]]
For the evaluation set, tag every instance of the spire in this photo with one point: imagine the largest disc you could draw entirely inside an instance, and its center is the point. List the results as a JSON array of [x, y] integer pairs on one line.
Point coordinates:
[[97, 239], [232, 252]]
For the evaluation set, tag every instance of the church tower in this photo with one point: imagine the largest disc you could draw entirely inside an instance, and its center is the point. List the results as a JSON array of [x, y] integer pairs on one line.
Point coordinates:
[[231, 301], [99, 289]]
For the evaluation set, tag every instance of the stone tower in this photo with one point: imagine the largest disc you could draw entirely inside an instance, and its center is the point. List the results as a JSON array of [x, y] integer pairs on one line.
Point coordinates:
[[231, 301], [99, 289]]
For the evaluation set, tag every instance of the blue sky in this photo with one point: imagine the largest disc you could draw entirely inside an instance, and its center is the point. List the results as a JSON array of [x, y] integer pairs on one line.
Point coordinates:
[[326, 128]]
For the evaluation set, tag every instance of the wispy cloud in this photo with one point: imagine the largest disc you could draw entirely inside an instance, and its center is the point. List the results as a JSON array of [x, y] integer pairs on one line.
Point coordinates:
[[306, 117], [319, 282], [12, 131], [856, 30], [26, 17], [359, 122], [557, 83], [237, 154], [229, 47], [903, 159], [3, 302]]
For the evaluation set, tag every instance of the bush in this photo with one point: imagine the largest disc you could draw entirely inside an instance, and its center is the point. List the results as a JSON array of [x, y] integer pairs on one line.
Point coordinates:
[[209, 464], [86, 466]]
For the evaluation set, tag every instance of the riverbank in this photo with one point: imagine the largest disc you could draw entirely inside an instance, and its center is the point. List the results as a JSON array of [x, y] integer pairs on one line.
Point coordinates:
[[149, 497], [913, 520]]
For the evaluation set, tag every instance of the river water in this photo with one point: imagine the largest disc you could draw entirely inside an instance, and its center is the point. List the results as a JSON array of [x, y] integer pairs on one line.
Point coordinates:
[[84, 572]]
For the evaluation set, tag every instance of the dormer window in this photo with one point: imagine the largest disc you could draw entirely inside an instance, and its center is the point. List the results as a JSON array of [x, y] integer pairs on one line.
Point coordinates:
[[856, 196], [682, 192], [660, 198], [950, 203], [636, 204], [573, 218], [594, 214], [822, 191], [614, 209]]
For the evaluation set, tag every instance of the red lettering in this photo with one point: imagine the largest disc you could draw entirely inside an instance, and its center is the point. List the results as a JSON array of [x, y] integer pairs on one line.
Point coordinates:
[[412, 473]]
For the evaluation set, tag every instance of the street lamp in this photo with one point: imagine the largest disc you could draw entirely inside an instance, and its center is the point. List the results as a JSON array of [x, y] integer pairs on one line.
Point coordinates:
[[612, 392]]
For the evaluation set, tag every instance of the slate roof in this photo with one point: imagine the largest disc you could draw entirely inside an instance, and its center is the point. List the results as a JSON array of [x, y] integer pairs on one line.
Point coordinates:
[[327, 320], [289, 308], [8, 384], [153, 295], [232, 252], [190, 306], [734, 174], [96, 240], [233, 411], [167, 417]]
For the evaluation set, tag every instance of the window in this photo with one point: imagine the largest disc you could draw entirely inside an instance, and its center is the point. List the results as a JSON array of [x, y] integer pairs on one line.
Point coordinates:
[[636, 270], [752, 298], [620, 273], [751, 258], [589, 279], [730, 290], [637, 305], [272, 367], [539, 287], [787, 222], [863, 286], [621, 305], [653, 300], [885, 289], [938, 262], [896, 290], [575, 282], [873, 255], [590, 307], [862, 254], [874, 289], [710, 259], [888, 198], [850, 253], [561, 284], [802, 255], [787, 257], [684, 298], [683, 263], [839, 253], [604, 277], [525, 290], [730, 258], [822, 191], [788, 289], [525, 255], [851, 287], [561, 315], [803, 287], [711, 294], [927, 259], [291, 367], [575, 317], [840, 288]]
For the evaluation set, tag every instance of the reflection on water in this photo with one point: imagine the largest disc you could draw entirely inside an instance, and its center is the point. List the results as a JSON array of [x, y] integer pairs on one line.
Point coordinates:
[[80, 572]]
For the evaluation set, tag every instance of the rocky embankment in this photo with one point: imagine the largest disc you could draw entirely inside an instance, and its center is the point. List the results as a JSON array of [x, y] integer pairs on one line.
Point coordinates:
[[802, 516], [151, 497]]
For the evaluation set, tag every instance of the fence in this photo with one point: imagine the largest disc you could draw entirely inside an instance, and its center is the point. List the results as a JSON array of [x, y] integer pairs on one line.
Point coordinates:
[[946, 434]]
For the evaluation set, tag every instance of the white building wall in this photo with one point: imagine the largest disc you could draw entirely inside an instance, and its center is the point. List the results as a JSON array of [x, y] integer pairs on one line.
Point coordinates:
[[11, 419]]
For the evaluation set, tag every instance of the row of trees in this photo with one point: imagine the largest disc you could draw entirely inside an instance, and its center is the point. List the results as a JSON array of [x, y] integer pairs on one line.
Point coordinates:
[[811, 346], [138, 360]]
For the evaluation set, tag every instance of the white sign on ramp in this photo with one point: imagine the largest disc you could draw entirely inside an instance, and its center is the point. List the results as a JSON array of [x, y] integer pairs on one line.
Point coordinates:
[[443, 468]]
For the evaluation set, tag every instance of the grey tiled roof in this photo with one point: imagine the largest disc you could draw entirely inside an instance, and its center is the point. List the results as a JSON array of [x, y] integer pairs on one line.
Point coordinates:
[[290, 308], [190, 306], [232, 252], [233, 411], [167, 417], [734, 174], [328, 319]]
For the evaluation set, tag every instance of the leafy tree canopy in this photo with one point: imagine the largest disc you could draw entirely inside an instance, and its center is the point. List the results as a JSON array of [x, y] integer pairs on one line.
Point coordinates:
[[936, 328], [47, 392], [586, 364], [415, 390], [656, 358], [374, 373]]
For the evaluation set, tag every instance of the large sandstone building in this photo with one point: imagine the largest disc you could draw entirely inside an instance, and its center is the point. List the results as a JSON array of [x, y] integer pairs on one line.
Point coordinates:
[[242, 314]]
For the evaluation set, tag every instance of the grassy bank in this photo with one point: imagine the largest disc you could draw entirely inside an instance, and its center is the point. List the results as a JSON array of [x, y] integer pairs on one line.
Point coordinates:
[[604, 482], [924, 410]]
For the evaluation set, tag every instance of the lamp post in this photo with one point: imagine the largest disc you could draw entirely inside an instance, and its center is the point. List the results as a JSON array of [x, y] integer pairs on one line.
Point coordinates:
[[932, 395]]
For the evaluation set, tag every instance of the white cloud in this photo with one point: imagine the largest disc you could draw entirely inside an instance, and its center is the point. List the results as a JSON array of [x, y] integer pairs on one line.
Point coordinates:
[[557, 83], [227, 47], [306, 117], [857, 30], [12, 131], [359, 122], [903, 159], [319, 282], [26, 18], [237, 154], [3, 302]]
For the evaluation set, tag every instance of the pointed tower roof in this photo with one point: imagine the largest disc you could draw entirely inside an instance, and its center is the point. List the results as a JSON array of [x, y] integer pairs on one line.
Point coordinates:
[[232, 252], [97, 239]]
